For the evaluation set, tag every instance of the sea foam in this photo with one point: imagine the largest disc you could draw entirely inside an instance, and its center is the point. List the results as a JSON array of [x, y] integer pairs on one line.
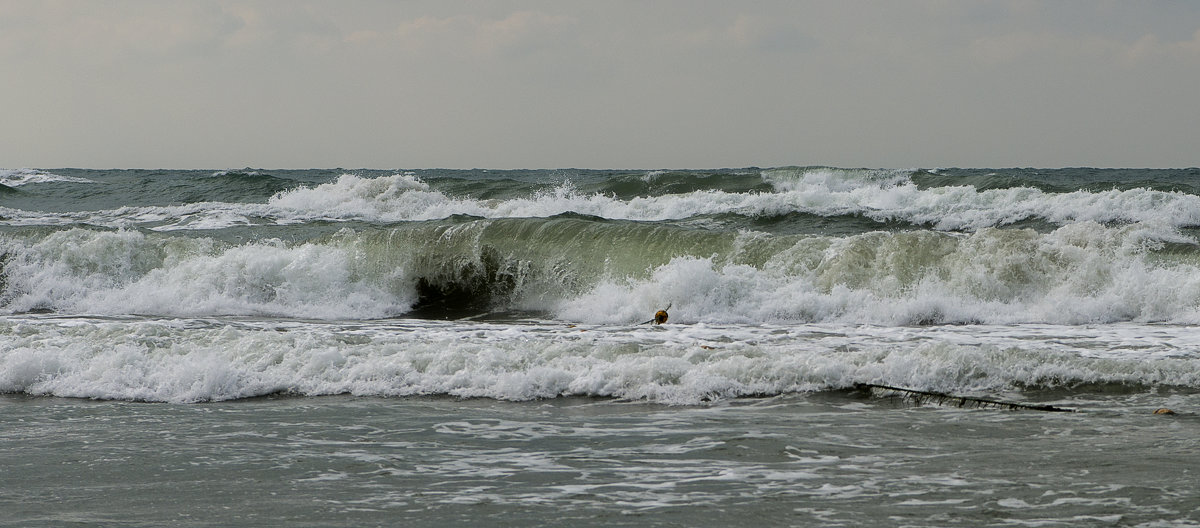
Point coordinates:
[[879, 195], [198, 360], [127, 272], [1081, 273], [599, 273]]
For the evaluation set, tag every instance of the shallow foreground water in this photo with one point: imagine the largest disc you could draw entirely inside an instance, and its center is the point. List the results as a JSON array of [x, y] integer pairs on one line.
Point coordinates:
[[830, 459]]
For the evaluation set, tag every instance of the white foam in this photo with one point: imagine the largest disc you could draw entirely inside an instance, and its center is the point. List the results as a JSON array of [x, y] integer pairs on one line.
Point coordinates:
[[891, 195], [190, 360], [19, 177], [879, 195], [404, 197], [205, 215], [1081, 273], [125, 272]]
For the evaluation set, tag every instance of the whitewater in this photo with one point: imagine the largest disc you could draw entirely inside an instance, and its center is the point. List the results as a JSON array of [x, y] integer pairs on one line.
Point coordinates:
[[450, 347]]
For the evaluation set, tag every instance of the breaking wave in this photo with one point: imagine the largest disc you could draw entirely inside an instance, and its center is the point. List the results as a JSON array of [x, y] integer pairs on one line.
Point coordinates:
[[19, 177], [197, 360], [591, 270]]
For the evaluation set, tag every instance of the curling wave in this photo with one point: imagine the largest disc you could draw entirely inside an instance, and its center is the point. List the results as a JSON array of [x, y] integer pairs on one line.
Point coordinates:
[[592, 270]]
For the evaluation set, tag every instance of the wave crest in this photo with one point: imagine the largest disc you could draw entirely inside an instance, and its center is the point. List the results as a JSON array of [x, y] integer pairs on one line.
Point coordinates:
[[19, 177]]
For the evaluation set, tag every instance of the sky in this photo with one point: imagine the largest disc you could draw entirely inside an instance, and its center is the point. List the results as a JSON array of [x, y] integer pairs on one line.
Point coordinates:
[[599, 84]]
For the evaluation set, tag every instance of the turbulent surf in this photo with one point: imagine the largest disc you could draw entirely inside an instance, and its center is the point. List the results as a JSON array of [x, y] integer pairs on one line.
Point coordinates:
[[369, 264], [844, 347]]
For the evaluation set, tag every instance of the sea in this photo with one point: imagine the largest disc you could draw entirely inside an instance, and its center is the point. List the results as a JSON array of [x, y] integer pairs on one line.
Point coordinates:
[[843, 347]]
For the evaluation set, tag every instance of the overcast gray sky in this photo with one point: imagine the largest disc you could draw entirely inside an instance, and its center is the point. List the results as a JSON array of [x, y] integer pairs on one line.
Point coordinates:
[[599, 84]]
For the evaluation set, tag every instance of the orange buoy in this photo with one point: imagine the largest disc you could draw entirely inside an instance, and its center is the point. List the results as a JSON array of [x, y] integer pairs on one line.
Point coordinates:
[[1164, 410], [660, 317]]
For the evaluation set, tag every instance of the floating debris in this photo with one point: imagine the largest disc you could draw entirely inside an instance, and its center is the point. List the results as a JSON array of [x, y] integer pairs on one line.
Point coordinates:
[[660, 316]]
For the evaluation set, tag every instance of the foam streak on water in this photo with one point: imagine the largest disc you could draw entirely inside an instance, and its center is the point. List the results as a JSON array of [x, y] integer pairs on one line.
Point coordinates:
[[432, 462]]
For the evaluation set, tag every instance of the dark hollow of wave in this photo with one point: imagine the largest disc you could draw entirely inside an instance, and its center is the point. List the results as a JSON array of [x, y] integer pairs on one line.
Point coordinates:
[[467, 290]]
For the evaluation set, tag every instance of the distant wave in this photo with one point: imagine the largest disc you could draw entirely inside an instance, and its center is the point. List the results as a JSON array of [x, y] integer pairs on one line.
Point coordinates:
[[880, 195], [884, 197], [19, 177], [237, 172]]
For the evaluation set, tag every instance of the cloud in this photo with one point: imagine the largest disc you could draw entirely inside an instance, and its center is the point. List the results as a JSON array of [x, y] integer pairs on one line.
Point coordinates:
[[518, 34], [1019, 47], [1152, 48], [504, 83], [100, 34], [278, 28], [769, 34]]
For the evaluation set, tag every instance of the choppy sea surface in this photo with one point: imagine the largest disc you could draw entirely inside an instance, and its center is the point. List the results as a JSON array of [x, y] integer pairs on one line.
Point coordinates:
[[466, 347]]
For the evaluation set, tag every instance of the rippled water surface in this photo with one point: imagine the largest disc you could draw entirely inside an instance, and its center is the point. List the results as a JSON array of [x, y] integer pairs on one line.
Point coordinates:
[[833, 459]]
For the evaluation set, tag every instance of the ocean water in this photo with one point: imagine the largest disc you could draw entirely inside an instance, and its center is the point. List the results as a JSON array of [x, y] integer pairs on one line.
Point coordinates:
[[469, 347]]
